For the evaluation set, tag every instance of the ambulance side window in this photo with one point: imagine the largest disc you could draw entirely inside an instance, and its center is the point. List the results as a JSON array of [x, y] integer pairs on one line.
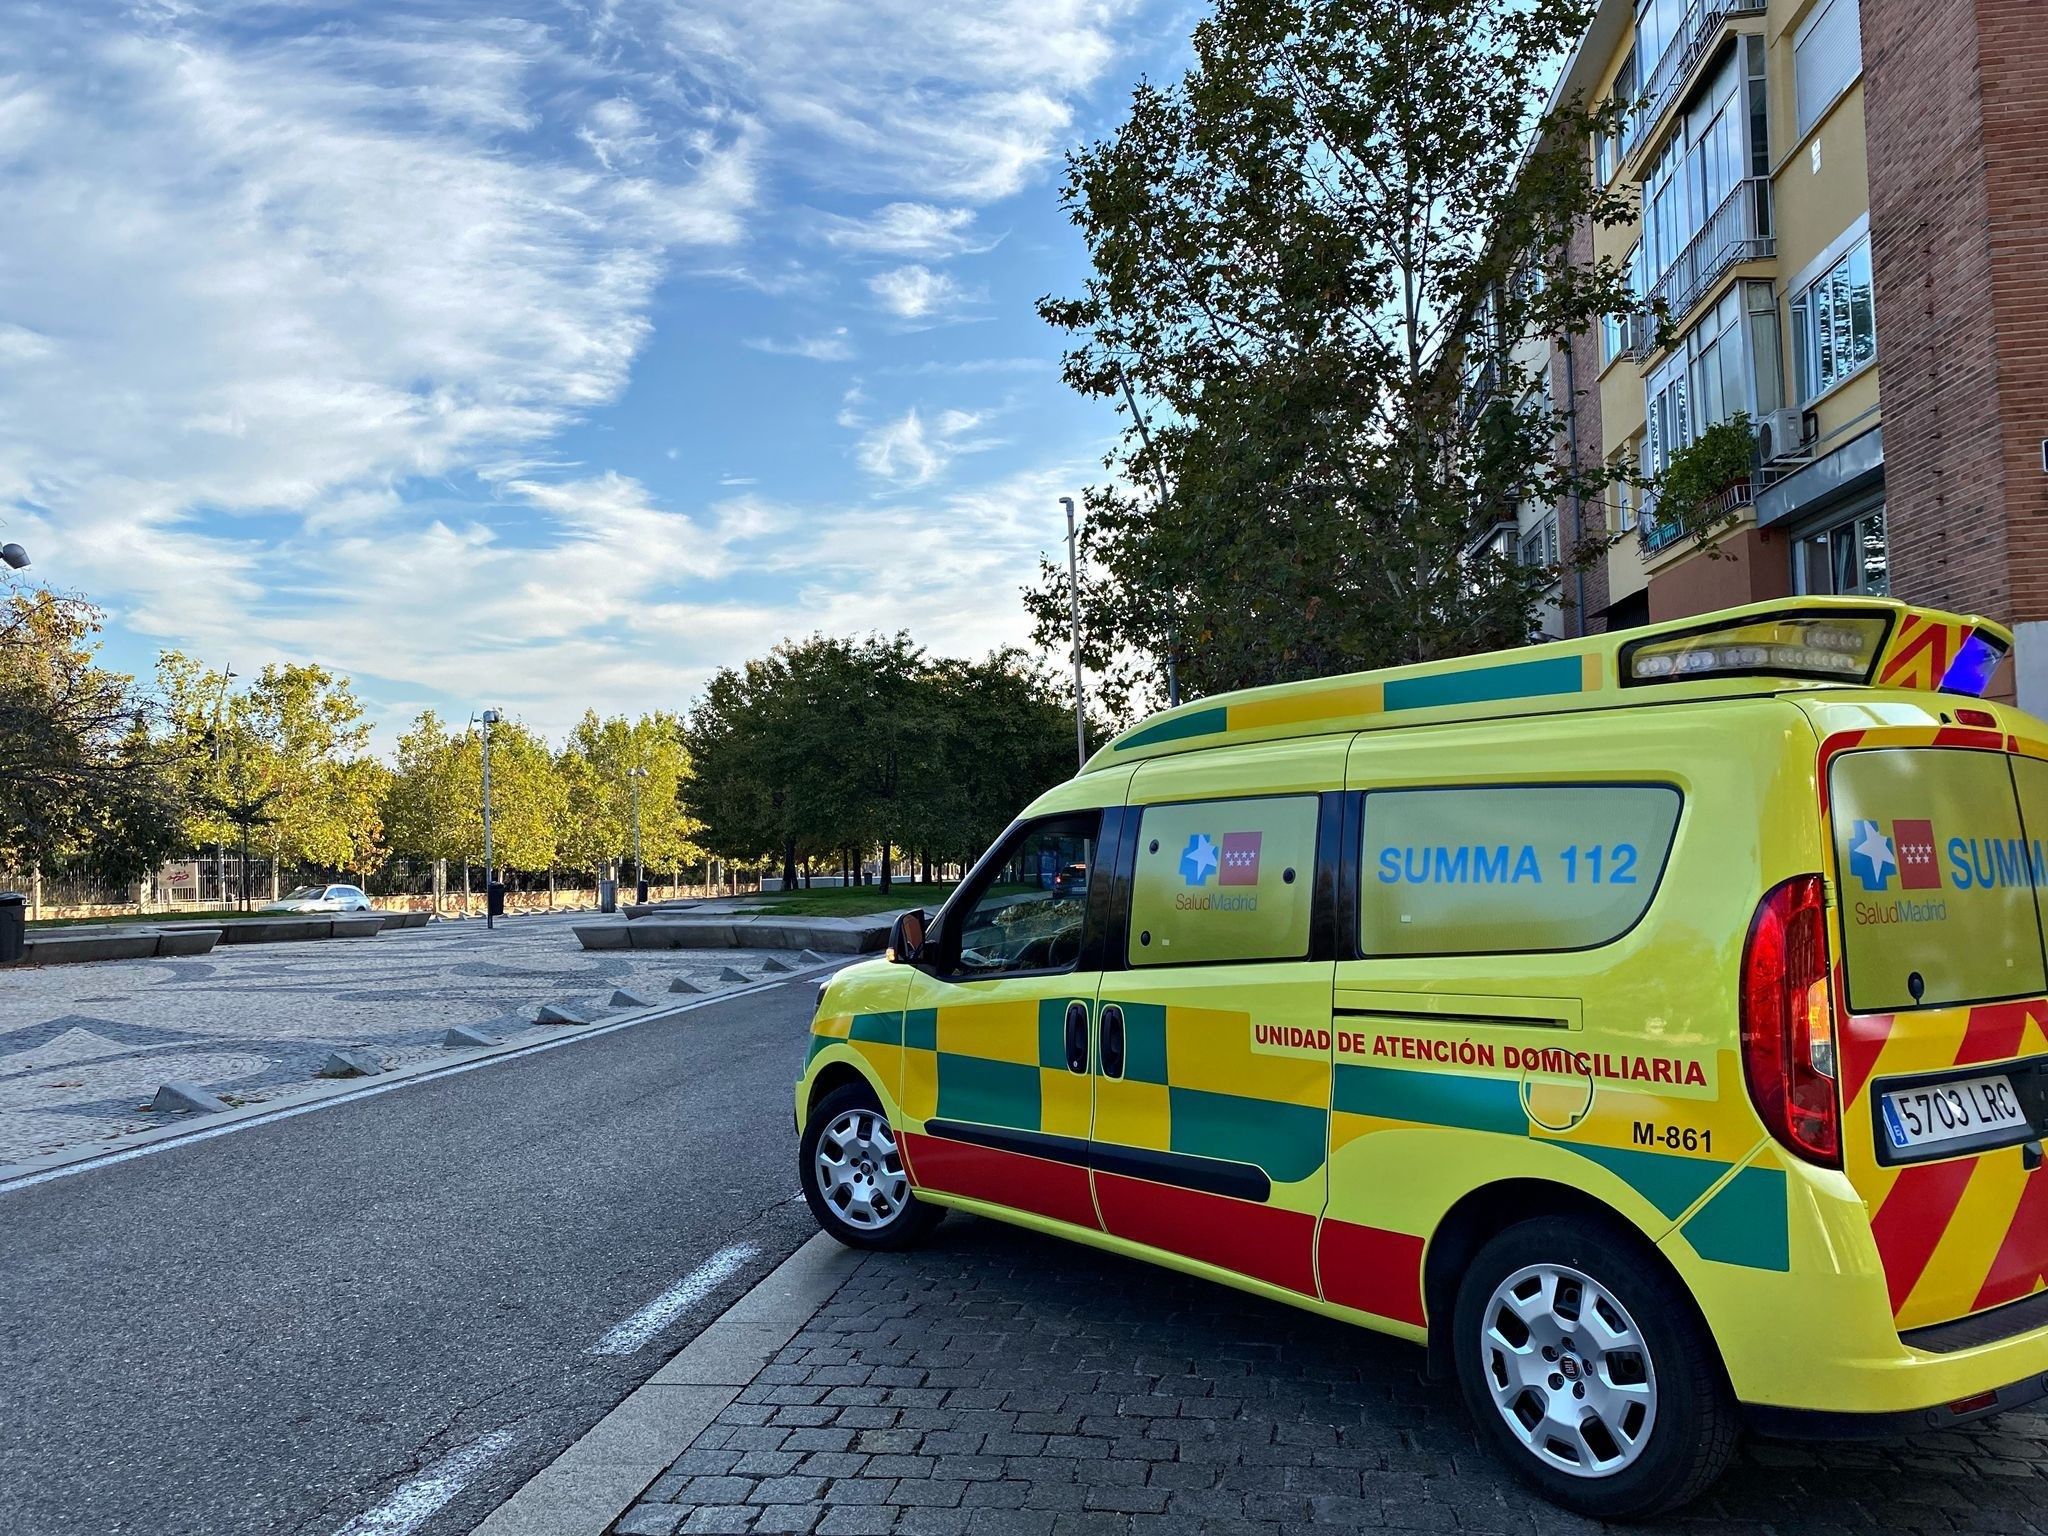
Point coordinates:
[[1221, 880], [1507, 869], [1029, 911]]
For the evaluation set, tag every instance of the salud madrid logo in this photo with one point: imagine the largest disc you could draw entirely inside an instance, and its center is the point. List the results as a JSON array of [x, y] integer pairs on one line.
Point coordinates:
[[1234, 862], [1908, 853]]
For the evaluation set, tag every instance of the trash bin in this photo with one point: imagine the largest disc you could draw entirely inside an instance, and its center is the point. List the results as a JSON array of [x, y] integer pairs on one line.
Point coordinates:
[[607, 895], [494, 898], [13, 925], [640, 893]]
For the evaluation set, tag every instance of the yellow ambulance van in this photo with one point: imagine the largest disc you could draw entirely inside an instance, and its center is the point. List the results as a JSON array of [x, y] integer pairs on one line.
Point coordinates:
[[1651, 1025]]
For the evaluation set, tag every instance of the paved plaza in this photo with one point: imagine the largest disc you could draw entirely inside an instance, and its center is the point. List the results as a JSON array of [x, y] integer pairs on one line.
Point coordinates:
[[83, 1048], [998, 1383]]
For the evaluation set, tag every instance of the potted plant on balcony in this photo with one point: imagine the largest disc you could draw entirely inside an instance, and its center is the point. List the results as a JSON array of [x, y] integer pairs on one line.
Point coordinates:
[[1705, 486]]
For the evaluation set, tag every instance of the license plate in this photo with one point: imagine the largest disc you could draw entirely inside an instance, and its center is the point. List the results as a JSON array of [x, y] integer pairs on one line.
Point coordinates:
[[1959, 1110]]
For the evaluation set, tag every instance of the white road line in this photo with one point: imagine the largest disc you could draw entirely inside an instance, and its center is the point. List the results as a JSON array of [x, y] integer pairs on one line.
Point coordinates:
[[674, 1302], [418, 1499], [30, 1180]]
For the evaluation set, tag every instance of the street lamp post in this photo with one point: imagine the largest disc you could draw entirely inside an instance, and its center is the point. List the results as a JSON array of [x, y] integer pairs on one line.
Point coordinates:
[[15, 557], [635, 776], [1074, 595], [490, 917], [220, 856]]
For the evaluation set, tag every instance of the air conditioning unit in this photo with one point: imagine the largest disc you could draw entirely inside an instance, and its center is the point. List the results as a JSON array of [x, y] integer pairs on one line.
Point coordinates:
[[1781, 435]]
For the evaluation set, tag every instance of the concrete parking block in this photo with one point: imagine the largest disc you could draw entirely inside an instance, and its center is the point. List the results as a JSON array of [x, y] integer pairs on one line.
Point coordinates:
[[684, 984], [730, 974], [463, 1037], [186, 1099], [355, 1061], [564, 1013], [625, 999]]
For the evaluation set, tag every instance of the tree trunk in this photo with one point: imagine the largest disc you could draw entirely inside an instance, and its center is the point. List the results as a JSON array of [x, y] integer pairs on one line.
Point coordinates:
[[888, 856], [789, 863], [465, 885], [551, 888]]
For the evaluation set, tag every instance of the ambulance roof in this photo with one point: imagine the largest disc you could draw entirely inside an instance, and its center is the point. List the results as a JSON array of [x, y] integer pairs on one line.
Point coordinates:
[[1764, 648]]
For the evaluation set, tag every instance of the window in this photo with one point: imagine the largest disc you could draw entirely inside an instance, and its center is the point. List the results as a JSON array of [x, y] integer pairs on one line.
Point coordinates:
[[1847, 560], [1827, 56], [1224, 880], [1539, 544], [1028, 913], [1834, 323], [1937, 891], [1701, 182], [1512, 869]]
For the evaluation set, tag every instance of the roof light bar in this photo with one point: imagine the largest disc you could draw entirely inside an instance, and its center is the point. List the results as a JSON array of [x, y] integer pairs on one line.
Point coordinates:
[[1841, 648]]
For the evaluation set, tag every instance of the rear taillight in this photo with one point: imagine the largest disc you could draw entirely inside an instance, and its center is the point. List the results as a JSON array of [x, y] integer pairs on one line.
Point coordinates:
[[1788, 1029]]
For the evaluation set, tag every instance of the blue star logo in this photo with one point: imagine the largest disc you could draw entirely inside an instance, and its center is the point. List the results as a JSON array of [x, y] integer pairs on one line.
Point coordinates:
[[1870, 856], [1198, 861]]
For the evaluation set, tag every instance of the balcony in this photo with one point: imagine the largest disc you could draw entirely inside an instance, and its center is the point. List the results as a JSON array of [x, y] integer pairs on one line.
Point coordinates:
[[1656, 534], [1739, 230], [1666, 80]]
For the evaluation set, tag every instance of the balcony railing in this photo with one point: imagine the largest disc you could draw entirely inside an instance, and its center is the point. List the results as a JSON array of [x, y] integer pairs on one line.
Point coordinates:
[[1657, 534], [1663, 81], [1739, 230]]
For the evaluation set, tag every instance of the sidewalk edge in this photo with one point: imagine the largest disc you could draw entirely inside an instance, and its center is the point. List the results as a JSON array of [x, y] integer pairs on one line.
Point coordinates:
[[596, 1479]]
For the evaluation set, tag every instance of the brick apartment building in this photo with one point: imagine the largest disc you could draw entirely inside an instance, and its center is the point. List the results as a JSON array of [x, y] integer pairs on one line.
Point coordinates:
[[1844, 215]]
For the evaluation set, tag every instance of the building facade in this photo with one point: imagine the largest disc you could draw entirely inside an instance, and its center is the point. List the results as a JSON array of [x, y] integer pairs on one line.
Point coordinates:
[[1843, 225]]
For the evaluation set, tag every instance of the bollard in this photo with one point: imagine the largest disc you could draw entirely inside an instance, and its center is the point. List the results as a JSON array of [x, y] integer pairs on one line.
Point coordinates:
[[13, 926]]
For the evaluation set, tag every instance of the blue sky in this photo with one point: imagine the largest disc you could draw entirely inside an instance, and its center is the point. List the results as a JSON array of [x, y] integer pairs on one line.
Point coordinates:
[[545, 355]]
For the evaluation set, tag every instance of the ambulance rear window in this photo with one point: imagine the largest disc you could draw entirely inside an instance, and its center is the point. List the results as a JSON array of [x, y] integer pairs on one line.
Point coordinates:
[[1937, 873]]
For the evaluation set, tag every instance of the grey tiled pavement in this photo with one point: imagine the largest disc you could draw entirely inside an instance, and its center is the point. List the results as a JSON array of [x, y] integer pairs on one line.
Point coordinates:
[[997, 1383], [83, 1047]]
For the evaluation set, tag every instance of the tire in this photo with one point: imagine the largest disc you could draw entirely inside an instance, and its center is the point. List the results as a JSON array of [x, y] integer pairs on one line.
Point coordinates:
[[853, 1178], [1564, 1324]]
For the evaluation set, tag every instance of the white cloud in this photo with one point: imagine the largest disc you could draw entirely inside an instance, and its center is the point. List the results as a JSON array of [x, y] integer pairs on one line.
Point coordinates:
[[907, 452], [833, 346], [286, 272], [906, 229], [954, 102], [916, 292]]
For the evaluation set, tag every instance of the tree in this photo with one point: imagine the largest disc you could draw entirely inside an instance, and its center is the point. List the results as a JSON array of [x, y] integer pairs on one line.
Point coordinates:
[[1314, 257], [597, 767], [83, 777]]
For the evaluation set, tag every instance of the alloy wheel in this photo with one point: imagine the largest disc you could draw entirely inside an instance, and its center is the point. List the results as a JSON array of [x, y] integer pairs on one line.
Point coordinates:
[[860, 1172], [1568, 1370]]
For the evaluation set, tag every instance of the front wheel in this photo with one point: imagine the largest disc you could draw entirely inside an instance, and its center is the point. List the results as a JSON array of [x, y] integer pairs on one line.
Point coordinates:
[[853, 1177], [1588, 1373]]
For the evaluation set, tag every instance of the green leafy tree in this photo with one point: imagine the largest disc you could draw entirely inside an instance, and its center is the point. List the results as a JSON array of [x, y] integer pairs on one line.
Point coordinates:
[[599, 766], [83, 778], [1314, 257]]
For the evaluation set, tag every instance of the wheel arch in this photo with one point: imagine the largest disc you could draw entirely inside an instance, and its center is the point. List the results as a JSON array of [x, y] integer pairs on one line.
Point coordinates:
[[1491, 1209], [837, 1074]]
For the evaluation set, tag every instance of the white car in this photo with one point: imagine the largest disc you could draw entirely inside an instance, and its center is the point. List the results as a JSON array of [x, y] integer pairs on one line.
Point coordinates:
[[322, 898]]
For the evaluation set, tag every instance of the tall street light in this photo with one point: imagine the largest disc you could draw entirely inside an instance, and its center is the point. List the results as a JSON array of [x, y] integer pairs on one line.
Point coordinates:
[[635, 776], [220, 858], [1074, 594], [490, 917]]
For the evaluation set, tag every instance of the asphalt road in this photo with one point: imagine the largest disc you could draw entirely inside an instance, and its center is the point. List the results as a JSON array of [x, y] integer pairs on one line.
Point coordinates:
[[272, 1331]]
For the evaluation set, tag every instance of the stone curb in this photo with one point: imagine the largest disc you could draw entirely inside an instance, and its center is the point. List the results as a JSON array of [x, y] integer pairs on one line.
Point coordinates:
[[583, 1490]]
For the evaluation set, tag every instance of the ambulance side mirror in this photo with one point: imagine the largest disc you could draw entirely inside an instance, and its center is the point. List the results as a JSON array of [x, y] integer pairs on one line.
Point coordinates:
[[906, 938]]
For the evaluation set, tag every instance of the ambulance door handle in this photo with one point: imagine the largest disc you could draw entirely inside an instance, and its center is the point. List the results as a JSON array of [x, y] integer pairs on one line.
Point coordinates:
[[1112, 1041], [1077, 1037]]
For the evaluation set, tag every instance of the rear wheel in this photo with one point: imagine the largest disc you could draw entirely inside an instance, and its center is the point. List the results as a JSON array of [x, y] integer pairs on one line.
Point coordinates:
[[1588, 1373], [853, 1176]]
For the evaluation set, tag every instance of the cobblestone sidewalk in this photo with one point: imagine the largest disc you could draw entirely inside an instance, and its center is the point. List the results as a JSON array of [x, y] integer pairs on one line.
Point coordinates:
[[998, 1383], [83, 1047]]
